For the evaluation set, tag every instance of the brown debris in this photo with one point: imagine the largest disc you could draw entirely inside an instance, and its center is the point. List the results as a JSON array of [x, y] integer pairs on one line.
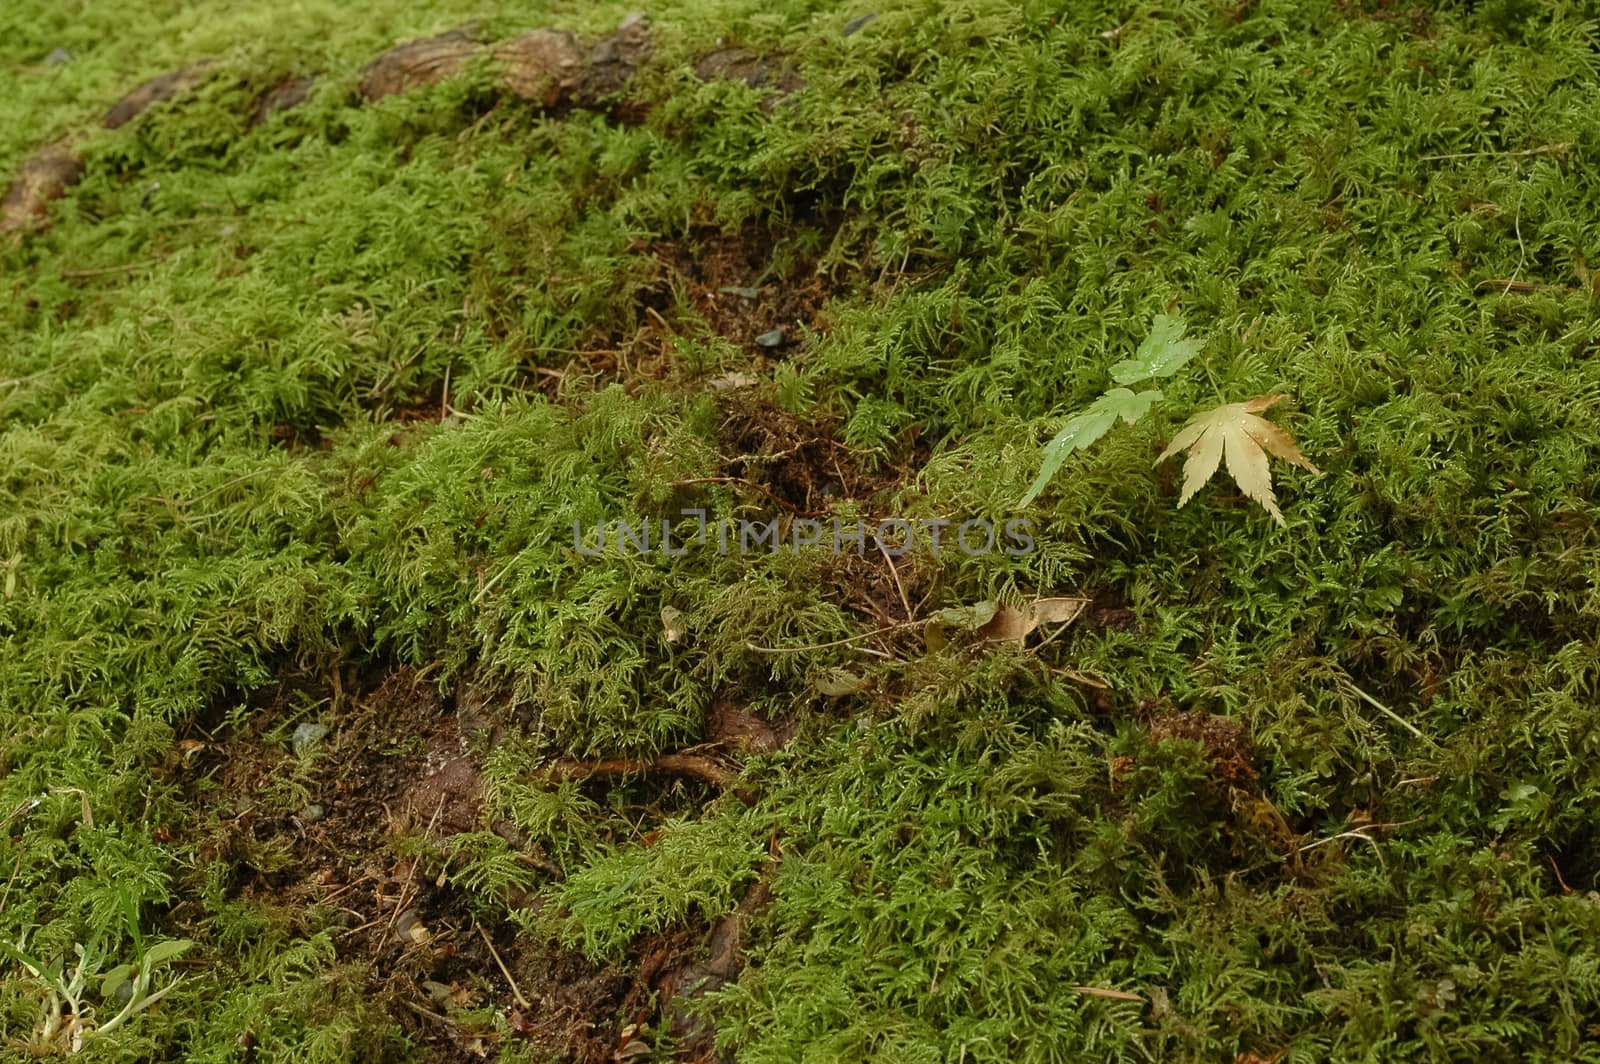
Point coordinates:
[[153, 92], [549, 68], [742, 283], [741, 730], [692, 766], [1226, 742], [776, 72], [418, 64], [544, 67], [286, 95], [676, 969], [45, 177], [798, 465], [552, 68]]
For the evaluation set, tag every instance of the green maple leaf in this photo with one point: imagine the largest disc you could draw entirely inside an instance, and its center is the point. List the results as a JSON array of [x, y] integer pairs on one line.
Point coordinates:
[[1086, 427], [1162, 354]]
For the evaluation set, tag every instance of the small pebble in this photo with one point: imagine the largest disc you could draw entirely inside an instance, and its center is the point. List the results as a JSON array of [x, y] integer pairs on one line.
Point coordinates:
[[58, 57], [771, 339], [308, 735]]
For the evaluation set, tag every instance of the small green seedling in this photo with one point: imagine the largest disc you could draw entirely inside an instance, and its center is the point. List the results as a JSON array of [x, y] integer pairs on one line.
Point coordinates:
[[68, 1019], [1163, 353]]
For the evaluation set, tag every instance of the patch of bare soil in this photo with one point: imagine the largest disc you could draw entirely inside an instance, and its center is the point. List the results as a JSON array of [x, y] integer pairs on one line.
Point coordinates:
[[329, 835], [398, 763], [742, 285], [1225, 740], [798, 465], [758, 288], [775, 72]]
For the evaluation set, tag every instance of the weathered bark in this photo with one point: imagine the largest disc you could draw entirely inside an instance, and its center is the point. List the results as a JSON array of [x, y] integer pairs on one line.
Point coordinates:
[[153, 92], [418, 64], [553, 68], [45, 177], [286, 95], [758, 71]]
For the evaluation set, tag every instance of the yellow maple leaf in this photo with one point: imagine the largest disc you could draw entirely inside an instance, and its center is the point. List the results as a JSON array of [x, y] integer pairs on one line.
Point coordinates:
[[1233, 432]]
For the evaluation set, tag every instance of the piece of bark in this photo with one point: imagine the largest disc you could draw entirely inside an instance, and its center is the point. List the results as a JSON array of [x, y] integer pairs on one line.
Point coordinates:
[[153, 92], [45, 177], [553, 68], [758, 71], [544, 67], [418, 64], [286, 95], [615, 59]]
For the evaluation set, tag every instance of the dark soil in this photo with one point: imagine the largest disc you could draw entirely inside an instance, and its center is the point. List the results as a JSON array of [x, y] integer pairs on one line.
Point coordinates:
[[367, 854], [741, 285]]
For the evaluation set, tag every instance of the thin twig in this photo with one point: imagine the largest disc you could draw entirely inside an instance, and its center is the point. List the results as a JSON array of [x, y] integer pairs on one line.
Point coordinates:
[[411, 875], [102, 271], [16, 870], [414, 1007], [1543, 149], [1357, 833], [836, 643], [24, 380], [1078, 677], [1083, 605], [1102, 992], [691, 765], [1513, 285], [83, 799], [895, 574], [516, 991], [1386, 711], [1559, 877], [1346, 835], [1522, 250]]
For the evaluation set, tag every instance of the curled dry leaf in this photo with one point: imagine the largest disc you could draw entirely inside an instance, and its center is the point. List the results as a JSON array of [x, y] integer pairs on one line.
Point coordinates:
[[672, 625], [1235, 433], [1013, 624], [996, 622], [838, 683]]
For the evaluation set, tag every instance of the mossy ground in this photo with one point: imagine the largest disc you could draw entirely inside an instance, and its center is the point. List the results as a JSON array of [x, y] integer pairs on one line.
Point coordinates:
[[296, 419]]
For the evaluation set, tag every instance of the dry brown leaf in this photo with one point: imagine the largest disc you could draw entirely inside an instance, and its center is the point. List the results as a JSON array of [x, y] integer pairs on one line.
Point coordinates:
[[838, 683], [1011, 624], [1233, 432], [672, 626]]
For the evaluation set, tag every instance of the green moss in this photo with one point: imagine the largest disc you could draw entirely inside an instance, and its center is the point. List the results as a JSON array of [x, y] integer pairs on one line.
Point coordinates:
[[319, 390]]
